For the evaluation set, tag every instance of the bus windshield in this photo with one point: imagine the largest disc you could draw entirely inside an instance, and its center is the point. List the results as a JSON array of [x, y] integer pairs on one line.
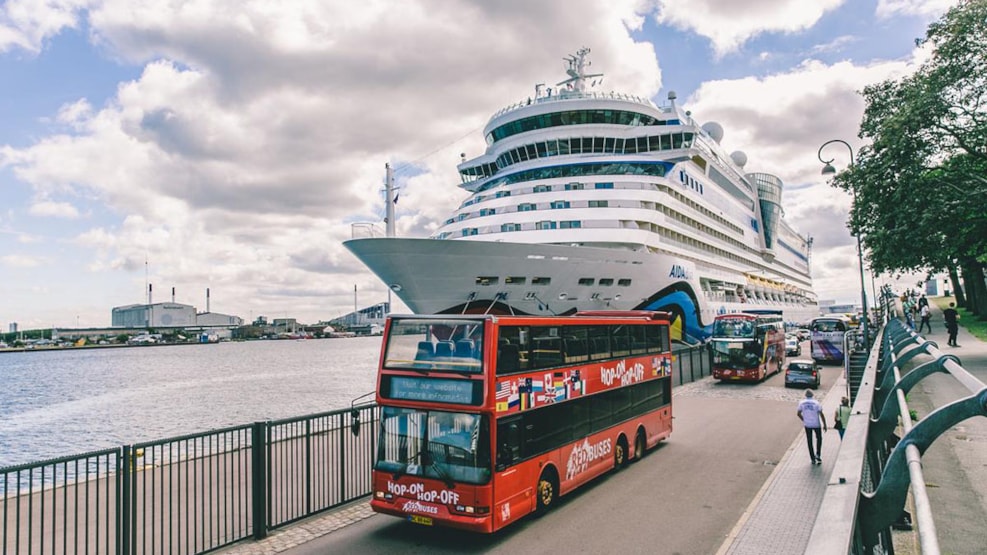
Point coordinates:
[[733, 327], [736, 355], [453, 345], [448, 446]]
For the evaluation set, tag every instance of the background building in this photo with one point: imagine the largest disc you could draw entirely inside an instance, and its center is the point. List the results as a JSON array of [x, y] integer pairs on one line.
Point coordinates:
[[166, 315]]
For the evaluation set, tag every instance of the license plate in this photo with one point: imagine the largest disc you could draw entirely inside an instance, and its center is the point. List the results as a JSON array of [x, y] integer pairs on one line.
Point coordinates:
[[418, 519]]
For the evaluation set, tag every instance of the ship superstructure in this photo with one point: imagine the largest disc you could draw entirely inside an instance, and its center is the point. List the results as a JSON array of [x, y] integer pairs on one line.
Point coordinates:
[[589, 200]]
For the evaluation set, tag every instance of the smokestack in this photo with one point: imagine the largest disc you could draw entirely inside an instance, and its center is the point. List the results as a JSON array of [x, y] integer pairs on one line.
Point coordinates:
[[172, 294], [207, 299], [150, 297]]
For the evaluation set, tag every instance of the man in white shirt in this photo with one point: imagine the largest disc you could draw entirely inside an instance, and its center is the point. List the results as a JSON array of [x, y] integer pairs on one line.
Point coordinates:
[[810, 412], [926, 314]]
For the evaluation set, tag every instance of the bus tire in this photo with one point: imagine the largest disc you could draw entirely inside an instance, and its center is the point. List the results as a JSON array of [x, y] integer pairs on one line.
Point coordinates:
[[620, 453], [640, 445], [547, 491]]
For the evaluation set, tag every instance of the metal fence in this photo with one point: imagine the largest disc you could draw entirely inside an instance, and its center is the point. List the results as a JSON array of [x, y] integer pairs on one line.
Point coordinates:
[[199, 492], [877, 467], [188, 494]]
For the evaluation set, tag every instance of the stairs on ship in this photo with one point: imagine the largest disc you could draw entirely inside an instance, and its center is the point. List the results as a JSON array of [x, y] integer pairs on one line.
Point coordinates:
[[855, 371]]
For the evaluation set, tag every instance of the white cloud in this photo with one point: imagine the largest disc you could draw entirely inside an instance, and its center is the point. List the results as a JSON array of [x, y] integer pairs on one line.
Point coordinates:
[[892, 8], [52, 209], [728, 24], [26, 24], [22, 261], [239, 157]]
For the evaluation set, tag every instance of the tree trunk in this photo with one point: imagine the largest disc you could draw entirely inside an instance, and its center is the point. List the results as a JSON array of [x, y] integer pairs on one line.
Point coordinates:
[[954, 279], [976, 290]]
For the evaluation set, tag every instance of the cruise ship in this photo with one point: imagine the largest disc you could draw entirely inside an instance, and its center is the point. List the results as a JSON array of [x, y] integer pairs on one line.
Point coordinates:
[[592, 200]]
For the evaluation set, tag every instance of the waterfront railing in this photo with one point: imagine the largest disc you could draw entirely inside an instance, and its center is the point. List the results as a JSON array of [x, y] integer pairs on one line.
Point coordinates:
[[199, 492]]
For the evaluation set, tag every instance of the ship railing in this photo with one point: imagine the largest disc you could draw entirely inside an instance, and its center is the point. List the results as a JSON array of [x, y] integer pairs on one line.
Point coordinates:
[[571, 95]]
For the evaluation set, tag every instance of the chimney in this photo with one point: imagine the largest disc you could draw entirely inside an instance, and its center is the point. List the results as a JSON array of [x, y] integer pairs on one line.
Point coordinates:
[[150, 297], [172, 294], [207, 300]]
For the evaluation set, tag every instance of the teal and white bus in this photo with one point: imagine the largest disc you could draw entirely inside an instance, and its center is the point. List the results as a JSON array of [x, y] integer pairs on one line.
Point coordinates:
[[826, 334]]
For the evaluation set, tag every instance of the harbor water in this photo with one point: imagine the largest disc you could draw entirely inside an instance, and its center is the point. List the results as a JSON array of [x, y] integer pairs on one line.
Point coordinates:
[[64, 402]]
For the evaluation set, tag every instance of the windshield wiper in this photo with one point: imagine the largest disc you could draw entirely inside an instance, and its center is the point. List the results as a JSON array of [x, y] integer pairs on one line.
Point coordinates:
[[429, 462]]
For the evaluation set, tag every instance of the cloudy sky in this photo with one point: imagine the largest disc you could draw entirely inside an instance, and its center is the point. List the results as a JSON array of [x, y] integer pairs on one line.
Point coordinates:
[[231, 145]]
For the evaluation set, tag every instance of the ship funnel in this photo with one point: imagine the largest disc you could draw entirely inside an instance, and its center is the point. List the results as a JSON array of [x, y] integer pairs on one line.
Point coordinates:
[[769, 193]]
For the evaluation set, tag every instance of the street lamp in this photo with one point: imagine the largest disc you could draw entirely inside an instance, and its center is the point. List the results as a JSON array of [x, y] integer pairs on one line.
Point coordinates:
[[828, 169]]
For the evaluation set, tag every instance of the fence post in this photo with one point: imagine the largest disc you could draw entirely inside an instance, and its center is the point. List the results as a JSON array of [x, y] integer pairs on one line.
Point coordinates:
[[258, 479], [123, 518]]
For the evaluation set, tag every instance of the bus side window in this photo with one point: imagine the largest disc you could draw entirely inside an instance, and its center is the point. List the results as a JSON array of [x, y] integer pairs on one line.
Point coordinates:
[[508, 443]]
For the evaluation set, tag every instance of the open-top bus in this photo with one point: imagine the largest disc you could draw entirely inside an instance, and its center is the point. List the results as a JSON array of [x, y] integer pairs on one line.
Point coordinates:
[[826, 338], [747, 346], [486, 418]]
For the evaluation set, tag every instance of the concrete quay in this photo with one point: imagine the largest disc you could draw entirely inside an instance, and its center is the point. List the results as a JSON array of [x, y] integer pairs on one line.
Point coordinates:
[[780, 518]]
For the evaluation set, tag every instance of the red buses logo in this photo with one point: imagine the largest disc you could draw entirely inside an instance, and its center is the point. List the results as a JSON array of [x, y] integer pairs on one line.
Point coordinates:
[[584, 454], [419, 507]]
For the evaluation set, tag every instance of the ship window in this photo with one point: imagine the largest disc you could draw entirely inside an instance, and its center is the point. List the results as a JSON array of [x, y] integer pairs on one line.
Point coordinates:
[[666, 142], [510, 227], [653, 143], [521, 154], [487, 211], [542, 188], [486, 280], [619, 146], [676, 140], [515, 280], [545, 225], [542, 149], [541, 281], [586, 281], [625, 282], [606, 281], [526, 207], [608, 145], [598, 203], [576, 145], [501, 194], [573, 186], [598, 145], [560, 204], [604, 186], [570, 224], [563, 146]]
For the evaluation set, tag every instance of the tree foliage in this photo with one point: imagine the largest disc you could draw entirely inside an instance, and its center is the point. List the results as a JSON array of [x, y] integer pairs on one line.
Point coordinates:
[[920, 185]]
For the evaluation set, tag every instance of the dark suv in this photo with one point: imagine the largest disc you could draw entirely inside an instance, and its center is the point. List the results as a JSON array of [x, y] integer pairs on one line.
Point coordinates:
[[803, 373]]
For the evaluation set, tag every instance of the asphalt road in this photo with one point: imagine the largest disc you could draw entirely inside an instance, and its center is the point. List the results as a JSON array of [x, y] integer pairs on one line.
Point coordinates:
[[684, 497]]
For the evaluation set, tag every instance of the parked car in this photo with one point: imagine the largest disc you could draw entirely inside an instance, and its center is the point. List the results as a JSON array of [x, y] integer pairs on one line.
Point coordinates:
[[792, 346], [803, 334], [803, 373]]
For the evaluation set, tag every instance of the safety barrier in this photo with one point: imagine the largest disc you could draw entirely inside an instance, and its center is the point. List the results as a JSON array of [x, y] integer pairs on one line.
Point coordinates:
[[875, 469]]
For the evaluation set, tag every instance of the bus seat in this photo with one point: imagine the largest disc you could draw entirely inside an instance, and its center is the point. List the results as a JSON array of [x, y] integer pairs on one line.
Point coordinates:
[[444, 349], [464, 348], [426, 351], [508, 359]]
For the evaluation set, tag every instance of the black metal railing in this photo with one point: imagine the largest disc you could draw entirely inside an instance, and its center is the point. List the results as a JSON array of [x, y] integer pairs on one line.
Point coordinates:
[[199, 492], [188, 494]]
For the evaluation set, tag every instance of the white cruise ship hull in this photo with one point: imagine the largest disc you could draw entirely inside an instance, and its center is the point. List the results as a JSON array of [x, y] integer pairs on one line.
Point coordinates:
[[434, 276]]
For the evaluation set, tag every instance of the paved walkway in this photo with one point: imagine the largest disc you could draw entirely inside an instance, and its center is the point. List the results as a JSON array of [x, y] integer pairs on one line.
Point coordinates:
[[778, 521]]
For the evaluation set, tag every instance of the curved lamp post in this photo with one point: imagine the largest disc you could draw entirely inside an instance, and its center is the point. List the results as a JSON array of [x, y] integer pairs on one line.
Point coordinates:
[[828, 169]]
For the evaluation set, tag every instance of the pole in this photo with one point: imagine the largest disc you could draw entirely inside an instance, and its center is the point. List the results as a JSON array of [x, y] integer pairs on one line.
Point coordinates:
[[828, 169], [389, 200]]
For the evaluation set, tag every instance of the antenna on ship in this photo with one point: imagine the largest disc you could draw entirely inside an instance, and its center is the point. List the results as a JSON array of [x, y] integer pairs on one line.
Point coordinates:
[[389, 199], [577, 70]]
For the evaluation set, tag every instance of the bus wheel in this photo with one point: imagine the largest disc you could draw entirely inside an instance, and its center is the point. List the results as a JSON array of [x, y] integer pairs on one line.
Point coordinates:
[[639, 445], [548, 486], [620, 453]]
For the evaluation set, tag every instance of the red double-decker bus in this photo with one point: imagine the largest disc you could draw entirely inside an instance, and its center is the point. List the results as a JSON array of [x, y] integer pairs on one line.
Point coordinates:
[[486, 418], [747, 346]]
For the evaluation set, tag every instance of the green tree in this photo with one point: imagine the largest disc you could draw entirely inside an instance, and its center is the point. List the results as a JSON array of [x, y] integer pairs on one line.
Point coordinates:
[[919, 186]]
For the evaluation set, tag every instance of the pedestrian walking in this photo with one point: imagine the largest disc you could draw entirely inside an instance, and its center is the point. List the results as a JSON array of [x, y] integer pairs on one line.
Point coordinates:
[[842, 416], [952, 318], [810, 412], [926, 314]]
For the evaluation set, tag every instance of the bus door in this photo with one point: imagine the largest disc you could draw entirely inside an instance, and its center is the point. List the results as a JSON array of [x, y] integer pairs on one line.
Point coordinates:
[[514, 489]]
